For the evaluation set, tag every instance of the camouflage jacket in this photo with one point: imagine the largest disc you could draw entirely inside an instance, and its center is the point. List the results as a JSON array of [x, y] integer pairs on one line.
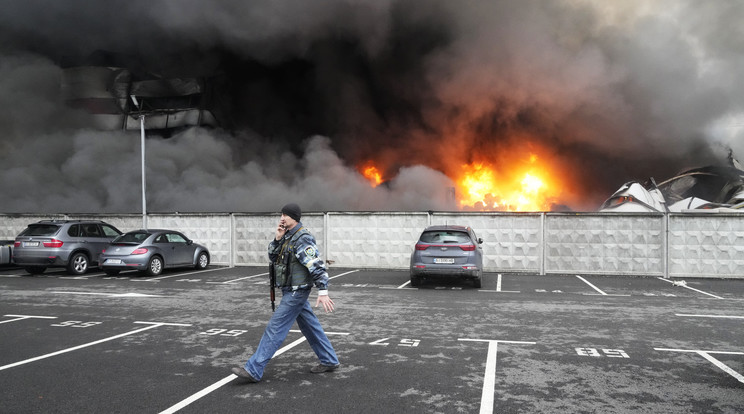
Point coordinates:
[[301, 260]]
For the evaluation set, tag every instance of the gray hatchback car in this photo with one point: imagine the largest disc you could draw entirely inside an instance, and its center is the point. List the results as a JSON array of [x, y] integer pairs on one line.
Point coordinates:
[[151, 251], [72, 244], [447, 251]]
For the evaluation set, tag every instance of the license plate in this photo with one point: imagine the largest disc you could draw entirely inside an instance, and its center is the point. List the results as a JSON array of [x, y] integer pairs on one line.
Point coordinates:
[[440, 260], [30, 244], [113, 261]]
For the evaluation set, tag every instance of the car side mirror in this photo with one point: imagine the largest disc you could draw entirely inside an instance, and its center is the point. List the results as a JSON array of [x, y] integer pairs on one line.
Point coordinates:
[[189, 242], [480, 240]]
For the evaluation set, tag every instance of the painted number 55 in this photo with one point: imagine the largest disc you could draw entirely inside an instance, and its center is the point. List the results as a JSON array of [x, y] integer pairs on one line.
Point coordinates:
[[223, 332]]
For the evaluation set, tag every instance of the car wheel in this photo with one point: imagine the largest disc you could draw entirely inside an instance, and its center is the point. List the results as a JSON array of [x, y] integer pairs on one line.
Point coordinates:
[[415, 280], [202, 261], [78, 264], [36, 270], [155, 266], [112, 272], [477, 282]]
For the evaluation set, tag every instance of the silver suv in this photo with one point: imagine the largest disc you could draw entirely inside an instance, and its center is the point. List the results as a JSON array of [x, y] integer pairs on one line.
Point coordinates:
[[73, 244]]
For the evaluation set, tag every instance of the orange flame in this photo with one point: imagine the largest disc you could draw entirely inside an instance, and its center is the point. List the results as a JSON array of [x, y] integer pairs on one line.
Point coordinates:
[[372, 174], [530, 188], [510, 185]]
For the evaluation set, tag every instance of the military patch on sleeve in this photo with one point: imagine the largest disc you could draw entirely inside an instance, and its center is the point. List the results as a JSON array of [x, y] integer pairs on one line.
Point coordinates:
[[310, 251]]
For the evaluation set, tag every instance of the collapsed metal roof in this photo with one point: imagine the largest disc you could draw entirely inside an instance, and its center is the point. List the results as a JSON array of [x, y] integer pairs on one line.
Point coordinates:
[[719, 188]]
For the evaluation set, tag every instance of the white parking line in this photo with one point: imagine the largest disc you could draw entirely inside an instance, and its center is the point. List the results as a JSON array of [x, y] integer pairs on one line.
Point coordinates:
[[231, 377], [687, 287], [489, 379], [83, 277], [265, 274], [408, 282], [22, 317], [111, 295], [706, 354], [222, 382], [343, 274], [703, 316], [155, 279], [498, 283], [239, 279], [593, 287], [75, 348], [723, 366]]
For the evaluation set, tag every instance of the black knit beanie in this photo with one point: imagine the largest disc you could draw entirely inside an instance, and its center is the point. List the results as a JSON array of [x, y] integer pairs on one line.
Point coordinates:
[[292, 210]]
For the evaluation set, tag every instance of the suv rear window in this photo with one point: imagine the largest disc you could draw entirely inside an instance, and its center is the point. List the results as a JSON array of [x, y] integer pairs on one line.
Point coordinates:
[[40, 230], [445, 236], [109, 231]]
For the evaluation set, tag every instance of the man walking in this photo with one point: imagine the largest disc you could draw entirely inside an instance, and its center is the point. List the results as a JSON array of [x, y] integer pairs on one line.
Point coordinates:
[[297, 265]]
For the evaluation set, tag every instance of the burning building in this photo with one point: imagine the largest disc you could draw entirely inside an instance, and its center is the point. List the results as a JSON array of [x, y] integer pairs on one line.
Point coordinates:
[[109, 94], [367, 105]]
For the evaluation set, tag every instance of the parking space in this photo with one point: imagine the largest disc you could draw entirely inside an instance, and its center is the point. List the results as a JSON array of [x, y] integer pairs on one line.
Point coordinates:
[[521, 343], [648, 286]]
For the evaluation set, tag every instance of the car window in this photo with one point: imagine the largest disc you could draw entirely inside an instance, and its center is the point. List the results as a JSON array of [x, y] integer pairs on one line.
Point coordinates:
[[109, 231], [91, 230], [138, 237], [74, 230], [40, 230], [175, 238], [444, 236], [161, 239]]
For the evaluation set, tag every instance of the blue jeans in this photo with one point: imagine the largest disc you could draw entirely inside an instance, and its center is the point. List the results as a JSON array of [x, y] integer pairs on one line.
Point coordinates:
[[293, 306]]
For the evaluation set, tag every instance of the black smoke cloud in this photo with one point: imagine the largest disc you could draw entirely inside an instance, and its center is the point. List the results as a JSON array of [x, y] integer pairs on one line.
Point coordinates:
[[305, 91]]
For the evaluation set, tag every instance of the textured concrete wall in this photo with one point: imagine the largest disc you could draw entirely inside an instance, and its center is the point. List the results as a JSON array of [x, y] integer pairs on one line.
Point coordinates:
[[600, 244], [707, 246], [676, 245]]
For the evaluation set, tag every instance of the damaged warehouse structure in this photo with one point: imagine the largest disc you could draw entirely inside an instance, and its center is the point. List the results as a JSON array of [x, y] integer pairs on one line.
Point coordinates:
[[711, 188], [105, 93]]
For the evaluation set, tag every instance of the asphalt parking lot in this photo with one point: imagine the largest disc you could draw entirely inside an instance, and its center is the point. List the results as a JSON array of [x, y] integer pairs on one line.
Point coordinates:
[[521, 343]]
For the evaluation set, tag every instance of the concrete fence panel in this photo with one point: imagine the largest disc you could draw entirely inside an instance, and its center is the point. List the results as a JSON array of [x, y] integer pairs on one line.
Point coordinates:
[[604, 244], [709, 245], [383, 240]]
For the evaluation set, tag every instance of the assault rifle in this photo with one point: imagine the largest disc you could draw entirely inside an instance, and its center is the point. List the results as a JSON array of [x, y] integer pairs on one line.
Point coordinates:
[[272, 281]]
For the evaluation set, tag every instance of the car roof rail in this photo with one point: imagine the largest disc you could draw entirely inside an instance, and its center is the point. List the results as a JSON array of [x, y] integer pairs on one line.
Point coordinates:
[[62, 221]]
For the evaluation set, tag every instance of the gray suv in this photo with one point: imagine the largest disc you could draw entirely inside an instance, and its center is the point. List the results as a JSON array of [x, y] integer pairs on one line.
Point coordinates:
[[72, 244], [447, 251]]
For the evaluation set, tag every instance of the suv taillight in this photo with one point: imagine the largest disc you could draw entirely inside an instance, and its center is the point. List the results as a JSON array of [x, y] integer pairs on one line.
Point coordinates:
[[16, 244], [54, 243], [467, 247], [420, 246]]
